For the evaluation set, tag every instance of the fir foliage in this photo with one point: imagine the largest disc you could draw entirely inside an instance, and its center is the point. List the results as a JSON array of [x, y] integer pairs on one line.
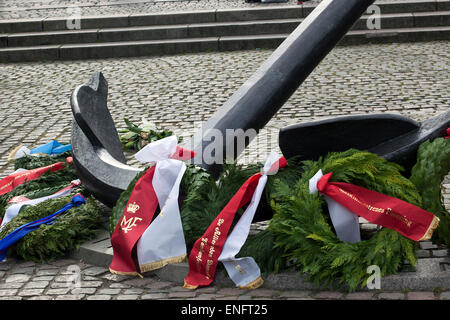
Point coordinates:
[[45, 185], [204, 203], [433, 163], [49, 242], [29, 162], [301, 226]]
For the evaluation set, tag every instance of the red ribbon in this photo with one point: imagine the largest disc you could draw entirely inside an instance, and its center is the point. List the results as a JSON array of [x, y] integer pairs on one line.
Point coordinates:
[[403, 217], [448, 134], [12, 181], [19, 199], [205, 253], [136, 217]]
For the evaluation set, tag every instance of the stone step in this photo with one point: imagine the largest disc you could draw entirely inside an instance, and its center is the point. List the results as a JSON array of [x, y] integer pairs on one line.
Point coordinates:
[[190, 45], [215, 29], [203, 16]]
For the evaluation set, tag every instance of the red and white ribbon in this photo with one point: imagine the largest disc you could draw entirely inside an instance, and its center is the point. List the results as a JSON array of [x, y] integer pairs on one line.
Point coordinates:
[[409, 220], [159, 241], [18, 202], [245, 272], [214, 245], [345, 222]]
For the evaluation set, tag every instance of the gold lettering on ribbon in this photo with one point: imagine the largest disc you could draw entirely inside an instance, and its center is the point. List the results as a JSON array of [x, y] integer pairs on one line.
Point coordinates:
[[387, 211], [198, 258], [128, 225], [216, 236], [208, 266]]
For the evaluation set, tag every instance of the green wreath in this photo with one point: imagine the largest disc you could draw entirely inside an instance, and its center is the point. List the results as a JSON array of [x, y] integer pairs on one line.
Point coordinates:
[[68, 231], [49, 242], [301, 226]]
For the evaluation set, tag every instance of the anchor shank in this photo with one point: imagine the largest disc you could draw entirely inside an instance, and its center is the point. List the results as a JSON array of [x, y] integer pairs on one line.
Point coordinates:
[[265, 92]]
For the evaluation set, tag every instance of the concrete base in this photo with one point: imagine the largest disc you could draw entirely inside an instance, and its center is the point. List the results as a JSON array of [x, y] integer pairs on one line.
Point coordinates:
[[430, 273]]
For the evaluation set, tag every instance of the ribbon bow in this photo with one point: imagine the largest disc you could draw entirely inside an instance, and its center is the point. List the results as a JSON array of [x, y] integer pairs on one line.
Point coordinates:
[[214, 245], [159, 241], [409, 220]]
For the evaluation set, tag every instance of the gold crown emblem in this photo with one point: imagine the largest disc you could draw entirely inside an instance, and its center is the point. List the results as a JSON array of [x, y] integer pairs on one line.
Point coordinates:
[[133, 207]]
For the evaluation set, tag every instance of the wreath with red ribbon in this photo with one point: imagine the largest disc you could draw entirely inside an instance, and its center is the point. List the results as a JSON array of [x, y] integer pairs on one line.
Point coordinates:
[[301, 226]]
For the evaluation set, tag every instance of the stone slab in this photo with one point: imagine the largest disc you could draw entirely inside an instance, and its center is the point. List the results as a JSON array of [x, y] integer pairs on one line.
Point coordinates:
[[21, 25], [251, 42], [38, 53], [51, 38], [431, 19], [443, 4], [246, 14], [86, 22], [137, 48], [428, 275], [167, 18]]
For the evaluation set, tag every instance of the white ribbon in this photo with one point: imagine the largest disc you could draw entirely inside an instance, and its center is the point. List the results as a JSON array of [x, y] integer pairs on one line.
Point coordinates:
[[163, 241], [345, 222], [245, 270], [14, 209]]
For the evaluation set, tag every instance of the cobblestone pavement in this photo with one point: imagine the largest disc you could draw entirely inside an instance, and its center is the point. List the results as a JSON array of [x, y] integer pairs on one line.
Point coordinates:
[[19, 9], [69, 279], [177, 93]]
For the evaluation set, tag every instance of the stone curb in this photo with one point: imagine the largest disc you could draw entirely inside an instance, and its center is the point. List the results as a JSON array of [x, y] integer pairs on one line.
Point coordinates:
[[430, 274]]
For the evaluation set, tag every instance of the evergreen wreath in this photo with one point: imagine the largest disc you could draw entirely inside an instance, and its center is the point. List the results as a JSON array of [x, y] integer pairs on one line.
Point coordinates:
[[47, 184], [433, 164], [49, 242], [301, 225], [201, 197], [69, 230]]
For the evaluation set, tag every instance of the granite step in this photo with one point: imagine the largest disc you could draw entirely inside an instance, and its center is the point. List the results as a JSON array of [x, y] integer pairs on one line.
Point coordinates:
[[204, 16], [200, 30], [190, 45]]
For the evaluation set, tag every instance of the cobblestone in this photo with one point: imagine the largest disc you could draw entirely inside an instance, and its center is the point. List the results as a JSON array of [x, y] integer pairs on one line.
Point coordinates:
[[51, 8]]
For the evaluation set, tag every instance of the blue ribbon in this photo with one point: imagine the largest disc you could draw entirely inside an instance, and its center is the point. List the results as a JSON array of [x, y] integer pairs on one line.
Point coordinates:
[[52, 148], [22, 231]]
